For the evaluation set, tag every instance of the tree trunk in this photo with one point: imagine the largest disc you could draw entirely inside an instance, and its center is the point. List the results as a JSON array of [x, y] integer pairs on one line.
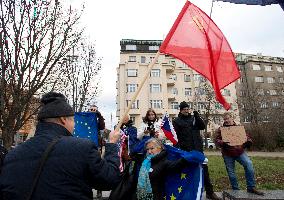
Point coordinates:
[[8, 136]]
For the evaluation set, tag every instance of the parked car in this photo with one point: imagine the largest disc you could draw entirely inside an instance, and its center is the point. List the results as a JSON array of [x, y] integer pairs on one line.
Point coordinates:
[[211, 144]]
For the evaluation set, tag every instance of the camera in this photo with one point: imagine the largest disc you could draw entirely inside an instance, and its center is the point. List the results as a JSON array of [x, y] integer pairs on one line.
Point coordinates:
[[151, 129]]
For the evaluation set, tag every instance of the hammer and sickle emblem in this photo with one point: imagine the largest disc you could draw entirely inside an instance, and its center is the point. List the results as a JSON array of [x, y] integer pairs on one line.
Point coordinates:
[[198, 22]]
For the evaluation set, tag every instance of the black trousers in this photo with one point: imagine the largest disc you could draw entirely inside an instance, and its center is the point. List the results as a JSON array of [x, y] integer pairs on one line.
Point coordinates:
[[207, 183]]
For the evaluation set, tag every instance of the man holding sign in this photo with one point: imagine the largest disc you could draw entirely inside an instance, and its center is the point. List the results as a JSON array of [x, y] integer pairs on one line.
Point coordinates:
[[233, 140]]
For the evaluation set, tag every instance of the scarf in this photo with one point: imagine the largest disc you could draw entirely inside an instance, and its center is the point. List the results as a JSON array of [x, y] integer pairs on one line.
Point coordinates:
[[144, 189]]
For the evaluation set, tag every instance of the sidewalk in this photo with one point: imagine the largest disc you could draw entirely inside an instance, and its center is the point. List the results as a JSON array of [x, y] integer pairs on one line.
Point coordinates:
[[250, 153]]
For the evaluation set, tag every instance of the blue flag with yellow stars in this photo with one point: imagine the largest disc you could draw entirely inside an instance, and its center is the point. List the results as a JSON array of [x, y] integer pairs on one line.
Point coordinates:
[[86, 126], [188, 184]]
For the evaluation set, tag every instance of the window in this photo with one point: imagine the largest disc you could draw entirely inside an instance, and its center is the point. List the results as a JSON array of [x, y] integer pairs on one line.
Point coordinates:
[[281, 80], [173, 77], [135, 104], [154, 48], [226, 92], [279, 68], [258, 79], [131, 87], [263, 105], [187, 91], [198, 77], [270, 80], [132, 59], [155, 73], [186, 78], [201, 105], [199, 91], [272, 92], [275, 104], [247, 119], [174, 105], [154, 88], [156, 103], [256, 67], [260, 92], [132, 72], [130, 47], [175, 91], [242, 93], [143, 59], [268, 68], [265, 118], [132, 118]]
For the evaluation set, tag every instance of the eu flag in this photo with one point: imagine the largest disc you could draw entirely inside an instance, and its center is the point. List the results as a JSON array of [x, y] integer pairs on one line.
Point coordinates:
[[86, 126], [188, 184]]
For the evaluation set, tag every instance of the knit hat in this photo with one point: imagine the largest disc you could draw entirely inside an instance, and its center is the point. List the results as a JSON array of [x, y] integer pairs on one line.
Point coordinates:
[[54, 105], [183, 105]]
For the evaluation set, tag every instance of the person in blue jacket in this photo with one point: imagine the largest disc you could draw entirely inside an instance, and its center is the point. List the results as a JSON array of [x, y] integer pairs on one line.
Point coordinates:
[[74, 166]]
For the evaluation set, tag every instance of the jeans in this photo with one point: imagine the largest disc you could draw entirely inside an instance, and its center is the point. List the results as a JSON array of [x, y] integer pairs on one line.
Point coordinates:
[[245, 161]]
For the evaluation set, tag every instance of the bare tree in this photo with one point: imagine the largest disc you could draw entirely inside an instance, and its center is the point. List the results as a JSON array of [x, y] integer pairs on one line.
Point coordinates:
[[34, 36], [81, 79]]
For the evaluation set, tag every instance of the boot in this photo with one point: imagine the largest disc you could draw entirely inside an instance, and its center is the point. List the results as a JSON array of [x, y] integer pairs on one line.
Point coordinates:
[[213, 196], [255, 191]]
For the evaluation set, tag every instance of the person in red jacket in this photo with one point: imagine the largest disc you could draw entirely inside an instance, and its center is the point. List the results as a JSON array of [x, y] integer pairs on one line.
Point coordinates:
[[236, 153]]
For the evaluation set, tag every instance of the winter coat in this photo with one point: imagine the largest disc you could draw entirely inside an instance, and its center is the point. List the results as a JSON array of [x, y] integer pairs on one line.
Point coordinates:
[[232, 151], [145, 126], [161, 167], [72, 169], [188, 132]]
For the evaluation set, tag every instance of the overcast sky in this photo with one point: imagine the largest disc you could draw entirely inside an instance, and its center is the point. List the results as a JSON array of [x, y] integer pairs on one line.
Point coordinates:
[[249, 29]]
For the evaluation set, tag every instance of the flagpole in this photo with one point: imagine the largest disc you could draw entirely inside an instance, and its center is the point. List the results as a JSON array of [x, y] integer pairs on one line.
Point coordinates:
[[138, 90]]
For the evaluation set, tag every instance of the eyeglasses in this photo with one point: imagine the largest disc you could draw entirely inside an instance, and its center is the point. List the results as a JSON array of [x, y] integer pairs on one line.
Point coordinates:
[[92, 109]]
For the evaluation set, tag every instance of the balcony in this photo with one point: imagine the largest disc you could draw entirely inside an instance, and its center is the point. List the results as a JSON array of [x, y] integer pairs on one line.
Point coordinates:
[[171, 82], [171, 96], [170, 67]]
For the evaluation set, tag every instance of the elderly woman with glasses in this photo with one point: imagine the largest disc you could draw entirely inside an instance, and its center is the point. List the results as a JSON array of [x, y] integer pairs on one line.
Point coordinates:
[[154, 169]]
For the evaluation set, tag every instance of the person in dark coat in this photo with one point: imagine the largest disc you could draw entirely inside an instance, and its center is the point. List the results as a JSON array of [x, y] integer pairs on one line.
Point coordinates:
[[154, 170], [101, 128], [73, 167], [188, 128], [231, 154]]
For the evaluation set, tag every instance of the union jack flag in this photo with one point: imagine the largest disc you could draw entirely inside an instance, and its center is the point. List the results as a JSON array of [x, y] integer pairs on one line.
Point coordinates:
[[168, 129]]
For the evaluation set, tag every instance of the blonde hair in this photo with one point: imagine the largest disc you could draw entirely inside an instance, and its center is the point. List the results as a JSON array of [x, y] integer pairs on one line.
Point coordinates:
[[156, 141]]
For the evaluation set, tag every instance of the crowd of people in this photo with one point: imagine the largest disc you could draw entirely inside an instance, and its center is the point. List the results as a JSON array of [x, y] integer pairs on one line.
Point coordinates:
[[55, 165]]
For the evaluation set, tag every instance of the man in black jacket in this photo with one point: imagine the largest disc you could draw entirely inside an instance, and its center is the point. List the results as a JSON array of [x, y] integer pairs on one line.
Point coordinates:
[[188, 128], [73, 167]]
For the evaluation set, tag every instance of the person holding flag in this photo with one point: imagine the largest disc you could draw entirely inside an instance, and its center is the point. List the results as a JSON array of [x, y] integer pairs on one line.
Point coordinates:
[[55, 165], [188, 128]]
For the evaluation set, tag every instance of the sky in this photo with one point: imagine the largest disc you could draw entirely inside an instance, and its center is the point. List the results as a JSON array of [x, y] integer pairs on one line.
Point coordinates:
[[248, 29]]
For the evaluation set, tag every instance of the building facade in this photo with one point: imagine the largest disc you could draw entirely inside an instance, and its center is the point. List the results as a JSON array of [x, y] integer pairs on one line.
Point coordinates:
[[169, 83], [260, 91]]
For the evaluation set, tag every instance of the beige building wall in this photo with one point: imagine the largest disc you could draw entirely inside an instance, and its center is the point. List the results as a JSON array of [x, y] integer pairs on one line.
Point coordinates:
[[175, 78]]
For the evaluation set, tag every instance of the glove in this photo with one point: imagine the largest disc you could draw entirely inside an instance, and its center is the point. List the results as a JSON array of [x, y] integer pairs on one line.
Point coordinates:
[[247, 144], [196, 114]]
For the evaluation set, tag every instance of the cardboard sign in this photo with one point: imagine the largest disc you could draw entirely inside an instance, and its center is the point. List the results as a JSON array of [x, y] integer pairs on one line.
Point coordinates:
[[235, 135]]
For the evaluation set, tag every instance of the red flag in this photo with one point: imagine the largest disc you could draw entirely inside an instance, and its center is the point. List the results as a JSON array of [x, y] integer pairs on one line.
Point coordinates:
[[197, 41]]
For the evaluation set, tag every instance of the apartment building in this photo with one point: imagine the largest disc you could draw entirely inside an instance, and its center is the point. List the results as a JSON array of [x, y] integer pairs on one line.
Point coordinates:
[[260, 91], [169, 82]]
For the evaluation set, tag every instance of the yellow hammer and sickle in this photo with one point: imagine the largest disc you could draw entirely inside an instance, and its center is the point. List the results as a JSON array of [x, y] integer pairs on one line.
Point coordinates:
[[198, 23]]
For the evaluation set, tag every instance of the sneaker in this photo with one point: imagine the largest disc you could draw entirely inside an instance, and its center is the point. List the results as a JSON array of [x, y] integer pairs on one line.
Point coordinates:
[[254, 191], [213, 196]]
